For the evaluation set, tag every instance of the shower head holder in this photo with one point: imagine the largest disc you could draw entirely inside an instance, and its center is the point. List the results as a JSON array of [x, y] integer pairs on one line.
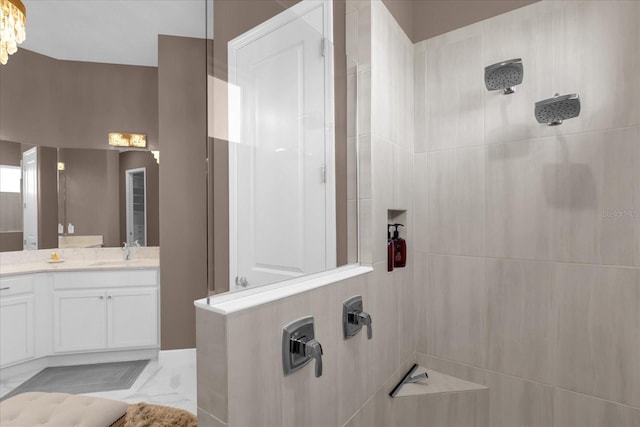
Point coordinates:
[[554, 111], [504, 76]]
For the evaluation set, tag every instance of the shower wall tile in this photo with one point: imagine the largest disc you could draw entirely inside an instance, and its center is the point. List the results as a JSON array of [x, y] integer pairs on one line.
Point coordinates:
[[384, 313], [420, 205], [457, 308], [420, 91], [599, 331], [356, 359], [520, 192], [365, 224], [205, 419], [308, 400], [365, 165], [352, 226], [454, 110], [524, 33], [352, 168], [392, 78], [421, 294], [455, 196], [521, 318], [576, 410], [598, 201], [403, 179], [255, 368], [597, 49], [211, 359], [364, 101], [515, 402]]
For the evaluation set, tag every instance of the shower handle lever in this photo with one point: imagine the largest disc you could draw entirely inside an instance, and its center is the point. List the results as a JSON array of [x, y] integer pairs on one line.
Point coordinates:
[[309, 349], [364, 319]]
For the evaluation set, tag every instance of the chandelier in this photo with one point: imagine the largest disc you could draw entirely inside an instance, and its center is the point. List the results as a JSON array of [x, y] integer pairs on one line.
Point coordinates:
[[13, 18]]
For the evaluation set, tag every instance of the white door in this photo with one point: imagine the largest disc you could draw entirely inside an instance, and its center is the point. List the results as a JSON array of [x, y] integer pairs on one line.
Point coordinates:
[[132, 318], [282, 203], [79, 321], [30, 198], [16, 329], [136, 189]]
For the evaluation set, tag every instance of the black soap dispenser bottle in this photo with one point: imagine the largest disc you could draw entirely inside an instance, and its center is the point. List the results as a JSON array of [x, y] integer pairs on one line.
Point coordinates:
[[390, 249], [399, 248]]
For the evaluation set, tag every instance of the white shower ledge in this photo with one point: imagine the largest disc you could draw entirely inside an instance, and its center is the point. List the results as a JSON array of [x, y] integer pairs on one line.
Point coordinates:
[[437, 383], [232, 302]]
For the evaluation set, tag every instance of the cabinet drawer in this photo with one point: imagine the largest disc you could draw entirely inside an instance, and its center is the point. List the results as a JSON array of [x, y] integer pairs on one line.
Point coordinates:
[[104, 279], [16, 285]]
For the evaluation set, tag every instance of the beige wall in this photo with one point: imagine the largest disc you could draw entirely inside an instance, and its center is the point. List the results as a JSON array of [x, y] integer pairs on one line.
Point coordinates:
[[75, 104], [529, 281], [133, 160], [182, 96], [423, 19]]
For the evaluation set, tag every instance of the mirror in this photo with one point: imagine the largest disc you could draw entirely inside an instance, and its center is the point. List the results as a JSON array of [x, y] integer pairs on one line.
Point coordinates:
[[282, 201], [87, 69]]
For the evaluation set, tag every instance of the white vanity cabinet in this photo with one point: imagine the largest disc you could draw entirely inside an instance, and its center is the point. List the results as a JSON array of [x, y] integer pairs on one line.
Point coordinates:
[[16, 319], [105, 310]]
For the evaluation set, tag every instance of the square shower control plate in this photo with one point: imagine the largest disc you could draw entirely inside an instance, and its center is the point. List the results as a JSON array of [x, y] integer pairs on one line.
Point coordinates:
[[352, 305], [302, 330]]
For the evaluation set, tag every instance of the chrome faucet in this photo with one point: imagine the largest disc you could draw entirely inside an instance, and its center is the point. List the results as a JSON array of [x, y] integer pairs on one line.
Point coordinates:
[[126, 248]]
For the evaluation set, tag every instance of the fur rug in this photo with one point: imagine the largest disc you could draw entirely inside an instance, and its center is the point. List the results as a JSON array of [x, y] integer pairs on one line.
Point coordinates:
[[146, 415]]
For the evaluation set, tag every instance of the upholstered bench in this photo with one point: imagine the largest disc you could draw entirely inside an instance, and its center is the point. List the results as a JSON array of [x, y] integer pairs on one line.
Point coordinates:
[[61, 410]]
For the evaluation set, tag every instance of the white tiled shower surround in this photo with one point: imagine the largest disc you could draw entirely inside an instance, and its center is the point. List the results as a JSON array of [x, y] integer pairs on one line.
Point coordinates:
[[524, 252]]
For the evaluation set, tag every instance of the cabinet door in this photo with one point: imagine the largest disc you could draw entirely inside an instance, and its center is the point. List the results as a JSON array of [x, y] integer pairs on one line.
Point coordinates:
[[16, 329], [79, 321], [133, 317]]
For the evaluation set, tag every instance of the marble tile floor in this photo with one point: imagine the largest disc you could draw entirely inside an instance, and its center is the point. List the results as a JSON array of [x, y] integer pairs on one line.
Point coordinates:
[[169, 380]]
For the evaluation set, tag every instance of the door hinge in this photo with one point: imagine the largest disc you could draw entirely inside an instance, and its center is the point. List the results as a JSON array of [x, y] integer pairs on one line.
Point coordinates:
[[323, 46], [323, 173]]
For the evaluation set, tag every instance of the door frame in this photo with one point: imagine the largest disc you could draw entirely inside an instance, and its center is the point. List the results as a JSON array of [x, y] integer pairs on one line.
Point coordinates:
[[129, 203], [30, 152], [287, 16]]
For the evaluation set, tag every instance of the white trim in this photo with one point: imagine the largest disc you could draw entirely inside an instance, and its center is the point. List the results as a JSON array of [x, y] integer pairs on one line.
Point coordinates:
[[129, 202], [233, 302]]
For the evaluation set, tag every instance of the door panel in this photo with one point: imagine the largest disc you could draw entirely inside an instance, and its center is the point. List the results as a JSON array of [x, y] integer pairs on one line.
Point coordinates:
[[79, 321], [133, 318], [16, 329], [278, 188], [30, 198]]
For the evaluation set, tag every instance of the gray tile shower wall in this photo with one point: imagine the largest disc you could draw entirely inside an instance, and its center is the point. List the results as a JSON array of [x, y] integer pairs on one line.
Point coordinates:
[[528, 279]]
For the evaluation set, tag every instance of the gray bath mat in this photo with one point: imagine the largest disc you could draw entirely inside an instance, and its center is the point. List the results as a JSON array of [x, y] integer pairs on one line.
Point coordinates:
[[83, 378]]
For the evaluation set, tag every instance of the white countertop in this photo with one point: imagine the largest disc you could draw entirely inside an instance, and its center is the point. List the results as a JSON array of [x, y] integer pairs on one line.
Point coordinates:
[[86, 259]]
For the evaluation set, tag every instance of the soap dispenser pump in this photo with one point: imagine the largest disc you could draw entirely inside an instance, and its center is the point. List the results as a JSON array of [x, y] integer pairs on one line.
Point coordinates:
[[390, 249], [399, 248]]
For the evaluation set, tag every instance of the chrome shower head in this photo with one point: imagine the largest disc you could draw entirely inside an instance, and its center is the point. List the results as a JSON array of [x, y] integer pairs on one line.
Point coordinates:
[[554, 111], [504, 76]]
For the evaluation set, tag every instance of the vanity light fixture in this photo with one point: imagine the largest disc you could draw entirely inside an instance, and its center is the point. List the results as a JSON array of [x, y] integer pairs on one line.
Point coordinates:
[[61, 166], [135, 140], [13, 19]]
